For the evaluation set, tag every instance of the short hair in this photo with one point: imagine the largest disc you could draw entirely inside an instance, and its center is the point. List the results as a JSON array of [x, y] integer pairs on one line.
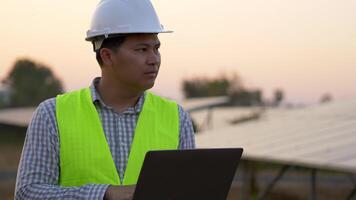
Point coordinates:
[[112, 43]]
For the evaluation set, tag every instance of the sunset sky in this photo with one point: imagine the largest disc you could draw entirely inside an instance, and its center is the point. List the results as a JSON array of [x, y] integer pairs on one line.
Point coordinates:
[[305, 47]]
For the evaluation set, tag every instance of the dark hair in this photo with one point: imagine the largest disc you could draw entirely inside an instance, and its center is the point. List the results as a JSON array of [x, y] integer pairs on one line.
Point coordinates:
[[112, 43]]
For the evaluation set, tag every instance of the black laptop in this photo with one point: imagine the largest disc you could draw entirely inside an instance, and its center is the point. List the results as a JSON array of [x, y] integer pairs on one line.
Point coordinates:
[[197, 174]]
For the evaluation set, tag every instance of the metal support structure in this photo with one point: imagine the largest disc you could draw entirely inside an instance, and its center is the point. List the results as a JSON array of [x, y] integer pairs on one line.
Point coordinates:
[[248, 180], [273, 182], [245, 189], [352, 194], [210, 118], [208, 122], [313, 195], [352, 179]]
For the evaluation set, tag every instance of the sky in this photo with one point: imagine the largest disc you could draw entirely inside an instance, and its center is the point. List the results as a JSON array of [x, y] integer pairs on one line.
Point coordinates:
[[305, 47]]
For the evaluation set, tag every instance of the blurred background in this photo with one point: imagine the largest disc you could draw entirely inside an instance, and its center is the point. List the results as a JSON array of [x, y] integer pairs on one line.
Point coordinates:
[[275, 77]]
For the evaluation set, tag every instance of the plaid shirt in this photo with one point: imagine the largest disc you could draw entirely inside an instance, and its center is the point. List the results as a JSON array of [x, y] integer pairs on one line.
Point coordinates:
[[38, 172]]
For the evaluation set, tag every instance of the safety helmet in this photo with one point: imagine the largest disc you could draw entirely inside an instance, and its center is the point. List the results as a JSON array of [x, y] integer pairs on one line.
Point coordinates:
[[113, 17]]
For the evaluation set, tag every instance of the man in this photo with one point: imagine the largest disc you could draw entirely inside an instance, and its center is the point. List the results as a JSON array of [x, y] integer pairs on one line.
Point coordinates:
[[90, 144]]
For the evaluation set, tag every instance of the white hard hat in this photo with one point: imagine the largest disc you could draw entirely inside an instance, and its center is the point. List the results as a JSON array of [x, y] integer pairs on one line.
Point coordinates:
[[123, 17]]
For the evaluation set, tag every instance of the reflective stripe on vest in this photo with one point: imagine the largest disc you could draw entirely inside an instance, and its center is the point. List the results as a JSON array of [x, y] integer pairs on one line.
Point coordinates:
[[85, 157]]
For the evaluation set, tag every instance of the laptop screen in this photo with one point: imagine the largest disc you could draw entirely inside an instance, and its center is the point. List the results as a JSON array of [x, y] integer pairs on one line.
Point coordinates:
[[187, 174]]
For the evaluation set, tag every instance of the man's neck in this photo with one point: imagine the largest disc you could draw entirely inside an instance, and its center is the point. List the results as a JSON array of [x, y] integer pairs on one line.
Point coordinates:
[[117, 96]]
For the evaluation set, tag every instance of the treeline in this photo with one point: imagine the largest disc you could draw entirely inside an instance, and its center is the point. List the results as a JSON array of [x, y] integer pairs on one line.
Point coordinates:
[[27, 84], [205, 87], [231, 86]]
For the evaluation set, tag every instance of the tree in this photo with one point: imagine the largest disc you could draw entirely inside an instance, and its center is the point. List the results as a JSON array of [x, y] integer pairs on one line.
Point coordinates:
[[326, 98], [246, 98], [222, 85], [278, 97], [205, 87], [30, 83]]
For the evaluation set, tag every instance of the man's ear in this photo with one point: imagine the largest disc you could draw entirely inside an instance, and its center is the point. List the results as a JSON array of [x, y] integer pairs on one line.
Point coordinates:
[[106, 56]]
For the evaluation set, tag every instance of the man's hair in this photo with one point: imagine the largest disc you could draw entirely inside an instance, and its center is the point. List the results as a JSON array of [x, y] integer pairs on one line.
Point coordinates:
[[112, 43]]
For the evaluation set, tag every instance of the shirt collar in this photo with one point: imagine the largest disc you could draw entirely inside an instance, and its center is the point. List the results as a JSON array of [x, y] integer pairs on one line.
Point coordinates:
[[97, 99]]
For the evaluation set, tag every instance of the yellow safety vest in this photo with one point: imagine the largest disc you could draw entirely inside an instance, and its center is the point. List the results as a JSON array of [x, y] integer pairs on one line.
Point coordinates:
[[85, 157]]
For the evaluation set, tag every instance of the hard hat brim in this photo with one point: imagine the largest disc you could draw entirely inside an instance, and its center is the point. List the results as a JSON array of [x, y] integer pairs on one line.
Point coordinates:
[[92, 36]]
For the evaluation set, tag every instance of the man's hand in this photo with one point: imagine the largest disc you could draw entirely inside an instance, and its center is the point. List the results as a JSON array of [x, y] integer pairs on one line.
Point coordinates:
[[120, 192]]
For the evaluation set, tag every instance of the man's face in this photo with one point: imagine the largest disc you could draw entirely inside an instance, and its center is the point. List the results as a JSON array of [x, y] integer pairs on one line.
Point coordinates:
[[136, 62]]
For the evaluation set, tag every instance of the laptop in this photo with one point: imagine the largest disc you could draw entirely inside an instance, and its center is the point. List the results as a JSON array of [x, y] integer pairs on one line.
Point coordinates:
[[187, 174]]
